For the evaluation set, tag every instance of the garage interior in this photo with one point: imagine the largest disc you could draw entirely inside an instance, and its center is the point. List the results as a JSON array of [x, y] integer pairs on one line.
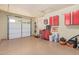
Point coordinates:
[[27, 29]]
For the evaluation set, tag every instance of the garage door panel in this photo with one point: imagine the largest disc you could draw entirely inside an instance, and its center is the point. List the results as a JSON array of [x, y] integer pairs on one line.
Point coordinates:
[[14, 28], [18, 28], [25, 34], [13, 36], [26, 28]]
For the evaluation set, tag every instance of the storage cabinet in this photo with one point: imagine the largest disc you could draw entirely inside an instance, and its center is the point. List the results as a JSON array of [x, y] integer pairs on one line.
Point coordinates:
[[51, 21], [67, 18], [54, 20], [72, 18], [75, 17]]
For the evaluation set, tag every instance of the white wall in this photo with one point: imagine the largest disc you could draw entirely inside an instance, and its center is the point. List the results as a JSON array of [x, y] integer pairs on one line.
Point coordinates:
[[40, 24], [33, 27], [65, 31], [3, 26]]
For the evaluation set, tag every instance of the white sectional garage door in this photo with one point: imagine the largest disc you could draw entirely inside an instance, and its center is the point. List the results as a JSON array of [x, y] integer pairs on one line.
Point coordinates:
[[18, 28], [14, 28], [25, 28]]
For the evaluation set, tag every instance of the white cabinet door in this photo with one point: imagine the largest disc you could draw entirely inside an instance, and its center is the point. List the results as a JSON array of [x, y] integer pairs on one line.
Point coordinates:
[[14, 28], [26, 28]]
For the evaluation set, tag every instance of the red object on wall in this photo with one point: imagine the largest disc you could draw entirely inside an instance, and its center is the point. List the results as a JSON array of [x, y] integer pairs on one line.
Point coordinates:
[[45, 21], [56, 20], [51, 21], [75, 17], [67, 18]]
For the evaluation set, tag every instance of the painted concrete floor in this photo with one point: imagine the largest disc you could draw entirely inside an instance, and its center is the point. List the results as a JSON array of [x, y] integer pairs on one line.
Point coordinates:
[[34, 46]]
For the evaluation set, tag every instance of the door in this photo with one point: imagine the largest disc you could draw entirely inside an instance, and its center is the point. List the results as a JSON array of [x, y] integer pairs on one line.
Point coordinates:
[[14, 28], [26, 28]]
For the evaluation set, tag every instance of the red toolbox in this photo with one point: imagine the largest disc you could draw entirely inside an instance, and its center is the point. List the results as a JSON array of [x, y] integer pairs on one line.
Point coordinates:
[[46, 34]]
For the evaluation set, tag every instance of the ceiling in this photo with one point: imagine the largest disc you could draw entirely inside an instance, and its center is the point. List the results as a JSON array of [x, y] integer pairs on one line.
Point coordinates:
[[36, 10]]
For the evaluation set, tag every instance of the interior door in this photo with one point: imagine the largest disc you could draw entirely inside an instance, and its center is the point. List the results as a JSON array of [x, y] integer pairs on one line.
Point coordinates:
[[25, 28], [14, 28]]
